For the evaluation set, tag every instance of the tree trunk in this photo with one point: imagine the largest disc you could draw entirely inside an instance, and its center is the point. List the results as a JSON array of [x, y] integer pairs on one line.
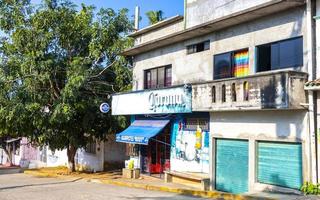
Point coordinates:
[[71, 152], [7, 150]]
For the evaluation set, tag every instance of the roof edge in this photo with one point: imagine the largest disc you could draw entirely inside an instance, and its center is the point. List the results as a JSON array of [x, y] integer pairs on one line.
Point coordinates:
[[158, 25]]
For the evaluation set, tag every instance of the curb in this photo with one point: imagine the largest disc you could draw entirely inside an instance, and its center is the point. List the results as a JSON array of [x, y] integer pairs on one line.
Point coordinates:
[[198, 193]]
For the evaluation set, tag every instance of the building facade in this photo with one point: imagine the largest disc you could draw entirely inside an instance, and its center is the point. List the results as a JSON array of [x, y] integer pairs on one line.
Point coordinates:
[[251, 125]]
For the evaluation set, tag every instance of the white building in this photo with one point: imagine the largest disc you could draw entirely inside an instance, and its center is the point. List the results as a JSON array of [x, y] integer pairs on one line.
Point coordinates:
[[246, 123]]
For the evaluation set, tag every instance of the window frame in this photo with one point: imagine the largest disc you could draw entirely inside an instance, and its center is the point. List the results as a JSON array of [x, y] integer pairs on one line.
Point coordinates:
[[146, 71], [257, 68], [232, 53], [196, 49]]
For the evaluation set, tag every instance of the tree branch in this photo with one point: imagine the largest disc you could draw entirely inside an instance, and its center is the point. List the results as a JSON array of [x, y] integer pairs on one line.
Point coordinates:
[[96, 76]]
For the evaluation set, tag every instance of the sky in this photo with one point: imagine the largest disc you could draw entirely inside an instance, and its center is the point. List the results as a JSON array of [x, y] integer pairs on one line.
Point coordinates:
[[169, 7]]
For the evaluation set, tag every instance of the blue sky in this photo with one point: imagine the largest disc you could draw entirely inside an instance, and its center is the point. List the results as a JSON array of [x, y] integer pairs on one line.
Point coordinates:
[[169, 7]]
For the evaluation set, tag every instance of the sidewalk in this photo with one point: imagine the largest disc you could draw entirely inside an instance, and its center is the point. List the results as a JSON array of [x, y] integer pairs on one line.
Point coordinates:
[[151, 183]]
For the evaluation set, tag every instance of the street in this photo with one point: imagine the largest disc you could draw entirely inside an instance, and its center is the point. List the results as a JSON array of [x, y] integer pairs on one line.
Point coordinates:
[[21, 186]]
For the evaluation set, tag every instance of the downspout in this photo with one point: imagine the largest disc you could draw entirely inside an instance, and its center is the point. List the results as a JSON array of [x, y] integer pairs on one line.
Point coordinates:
[[313, 162]]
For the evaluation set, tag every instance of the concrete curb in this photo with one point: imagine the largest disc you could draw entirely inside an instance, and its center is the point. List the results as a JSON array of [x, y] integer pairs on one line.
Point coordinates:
[[188, 192]]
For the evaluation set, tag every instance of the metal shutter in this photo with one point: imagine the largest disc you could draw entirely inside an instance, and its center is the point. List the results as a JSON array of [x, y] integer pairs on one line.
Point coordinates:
[[232, 165], [280, 164]]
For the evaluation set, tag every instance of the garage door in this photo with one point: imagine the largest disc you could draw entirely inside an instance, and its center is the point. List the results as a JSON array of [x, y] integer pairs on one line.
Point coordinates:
[[280, 164], [232, 165]]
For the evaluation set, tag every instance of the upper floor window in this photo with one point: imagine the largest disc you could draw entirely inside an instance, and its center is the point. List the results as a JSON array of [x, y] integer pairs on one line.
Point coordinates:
[[202, 46], [158, 77], [231, 64], [279, 55]]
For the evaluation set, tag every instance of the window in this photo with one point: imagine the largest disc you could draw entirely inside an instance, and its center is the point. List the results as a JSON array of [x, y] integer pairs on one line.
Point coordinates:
[[192, 124], [279, 55], [213, 93], [231, 64], [223, 93], [91, 148], [246, 91], [158, 77], [202, 46], [234, 92]]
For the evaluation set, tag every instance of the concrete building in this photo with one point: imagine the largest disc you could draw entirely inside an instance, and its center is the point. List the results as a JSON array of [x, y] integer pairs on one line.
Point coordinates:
[[242, 65]]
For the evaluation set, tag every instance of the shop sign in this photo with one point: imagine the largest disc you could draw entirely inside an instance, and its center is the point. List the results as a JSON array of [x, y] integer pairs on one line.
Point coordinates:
[[162, 101], [104, 107]]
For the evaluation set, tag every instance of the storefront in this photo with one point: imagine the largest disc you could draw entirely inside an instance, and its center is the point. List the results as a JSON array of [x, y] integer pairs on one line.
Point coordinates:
[[165, 132]]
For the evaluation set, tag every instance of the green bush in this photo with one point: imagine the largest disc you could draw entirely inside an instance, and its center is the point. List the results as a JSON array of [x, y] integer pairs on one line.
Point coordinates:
[[309, 188]]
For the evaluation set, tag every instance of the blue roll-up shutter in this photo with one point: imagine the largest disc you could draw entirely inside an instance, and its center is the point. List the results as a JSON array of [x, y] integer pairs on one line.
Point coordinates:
[[280, 164], [232, 165]]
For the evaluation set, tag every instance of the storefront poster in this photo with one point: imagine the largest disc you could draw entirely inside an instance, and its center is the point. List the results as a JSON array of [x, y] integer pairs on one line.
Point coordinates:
[[186, 154]]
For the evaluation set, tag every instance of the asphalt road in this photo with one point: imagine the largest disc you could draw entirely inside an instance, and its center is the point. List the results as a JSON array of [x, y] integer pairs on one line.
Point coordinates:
[[25, 187]]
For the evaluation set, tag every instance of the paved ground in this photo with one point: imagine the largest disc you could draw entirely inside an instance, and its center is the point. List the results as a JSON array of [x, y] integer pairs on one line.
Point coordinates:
[[21, 186]]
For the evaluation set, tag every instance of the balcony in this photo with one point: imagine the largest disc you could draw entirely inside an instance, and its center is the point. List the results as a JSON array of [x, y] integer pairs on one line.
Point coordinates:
[[265, 90]]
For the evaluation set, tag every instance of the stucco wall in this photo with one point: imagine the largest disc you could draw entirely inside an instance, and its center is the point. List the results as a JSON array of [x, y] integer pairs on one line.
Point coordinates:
[[199, 66], [89, 161], [57, 158], [114, 151], [290, 125], [200, 11], [158, 33]]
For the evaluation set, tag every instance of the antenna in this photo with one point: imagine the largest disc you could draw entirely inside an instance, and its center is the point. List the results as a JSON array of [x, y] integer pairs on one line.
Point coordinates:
[[136, 18]]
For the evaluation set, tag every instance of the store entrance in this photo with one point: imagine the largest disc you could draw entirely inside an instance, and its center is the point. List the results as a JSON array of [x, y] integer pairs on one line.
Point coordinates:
[[156, 154]]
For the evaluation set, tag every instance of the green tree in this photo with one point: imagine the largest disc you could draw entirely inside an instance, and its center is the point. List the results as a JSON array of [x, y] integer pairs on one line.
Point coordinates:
[[57, 65], [155, 16]]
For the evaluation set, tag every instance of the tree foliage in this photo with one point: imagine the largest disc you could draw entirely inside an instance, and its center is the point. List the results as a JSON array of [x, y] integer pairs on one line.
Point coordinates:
[[58, 63], [155, 16]]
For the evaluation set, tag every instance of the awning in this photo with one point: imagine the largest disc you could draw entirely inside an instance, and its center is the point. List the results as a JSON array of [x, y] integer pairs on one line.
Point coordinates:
[[140, 131]]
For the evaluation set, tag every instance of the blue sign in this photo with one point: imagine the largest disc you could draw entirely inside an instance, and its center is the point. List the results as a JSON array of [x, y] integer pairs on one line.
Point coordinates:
[[104, 107]]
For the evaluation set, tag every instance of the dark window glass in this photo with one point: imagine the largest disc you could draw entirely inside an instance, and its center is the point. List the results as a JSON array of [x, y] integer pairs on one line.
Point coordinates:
[[291, 53], [264, 58], [158, 77], [202, 46], [222, 66], [279, 55]]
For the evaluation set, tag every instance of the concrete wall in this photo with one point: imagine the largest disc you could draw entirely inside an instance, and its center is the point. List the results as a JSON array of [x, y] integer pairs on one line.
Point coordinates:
[[158, 33], [199, 66], [201, 11], [57, 158], [267, 90], [114, 152], [90, 161]]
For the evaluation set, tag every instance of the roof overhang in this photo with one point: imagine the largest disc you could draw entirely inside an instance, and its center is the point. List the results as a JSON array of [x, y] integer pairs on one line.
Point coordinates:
[[258, 11]]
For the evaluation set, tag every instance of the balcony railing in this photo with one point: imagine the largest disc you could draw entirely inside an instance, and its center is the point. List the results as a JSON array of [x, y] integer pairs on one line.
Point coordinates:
[[266, 90]]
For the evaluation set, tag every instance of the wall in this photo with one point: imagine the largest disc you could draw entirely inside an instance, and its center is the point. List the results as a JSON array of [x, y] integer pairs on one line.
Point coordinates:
[[114, 152], [57, 158], [268, 90], [286, 125], [91, 162], [161, 32], [201, 11], [198, 67]]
